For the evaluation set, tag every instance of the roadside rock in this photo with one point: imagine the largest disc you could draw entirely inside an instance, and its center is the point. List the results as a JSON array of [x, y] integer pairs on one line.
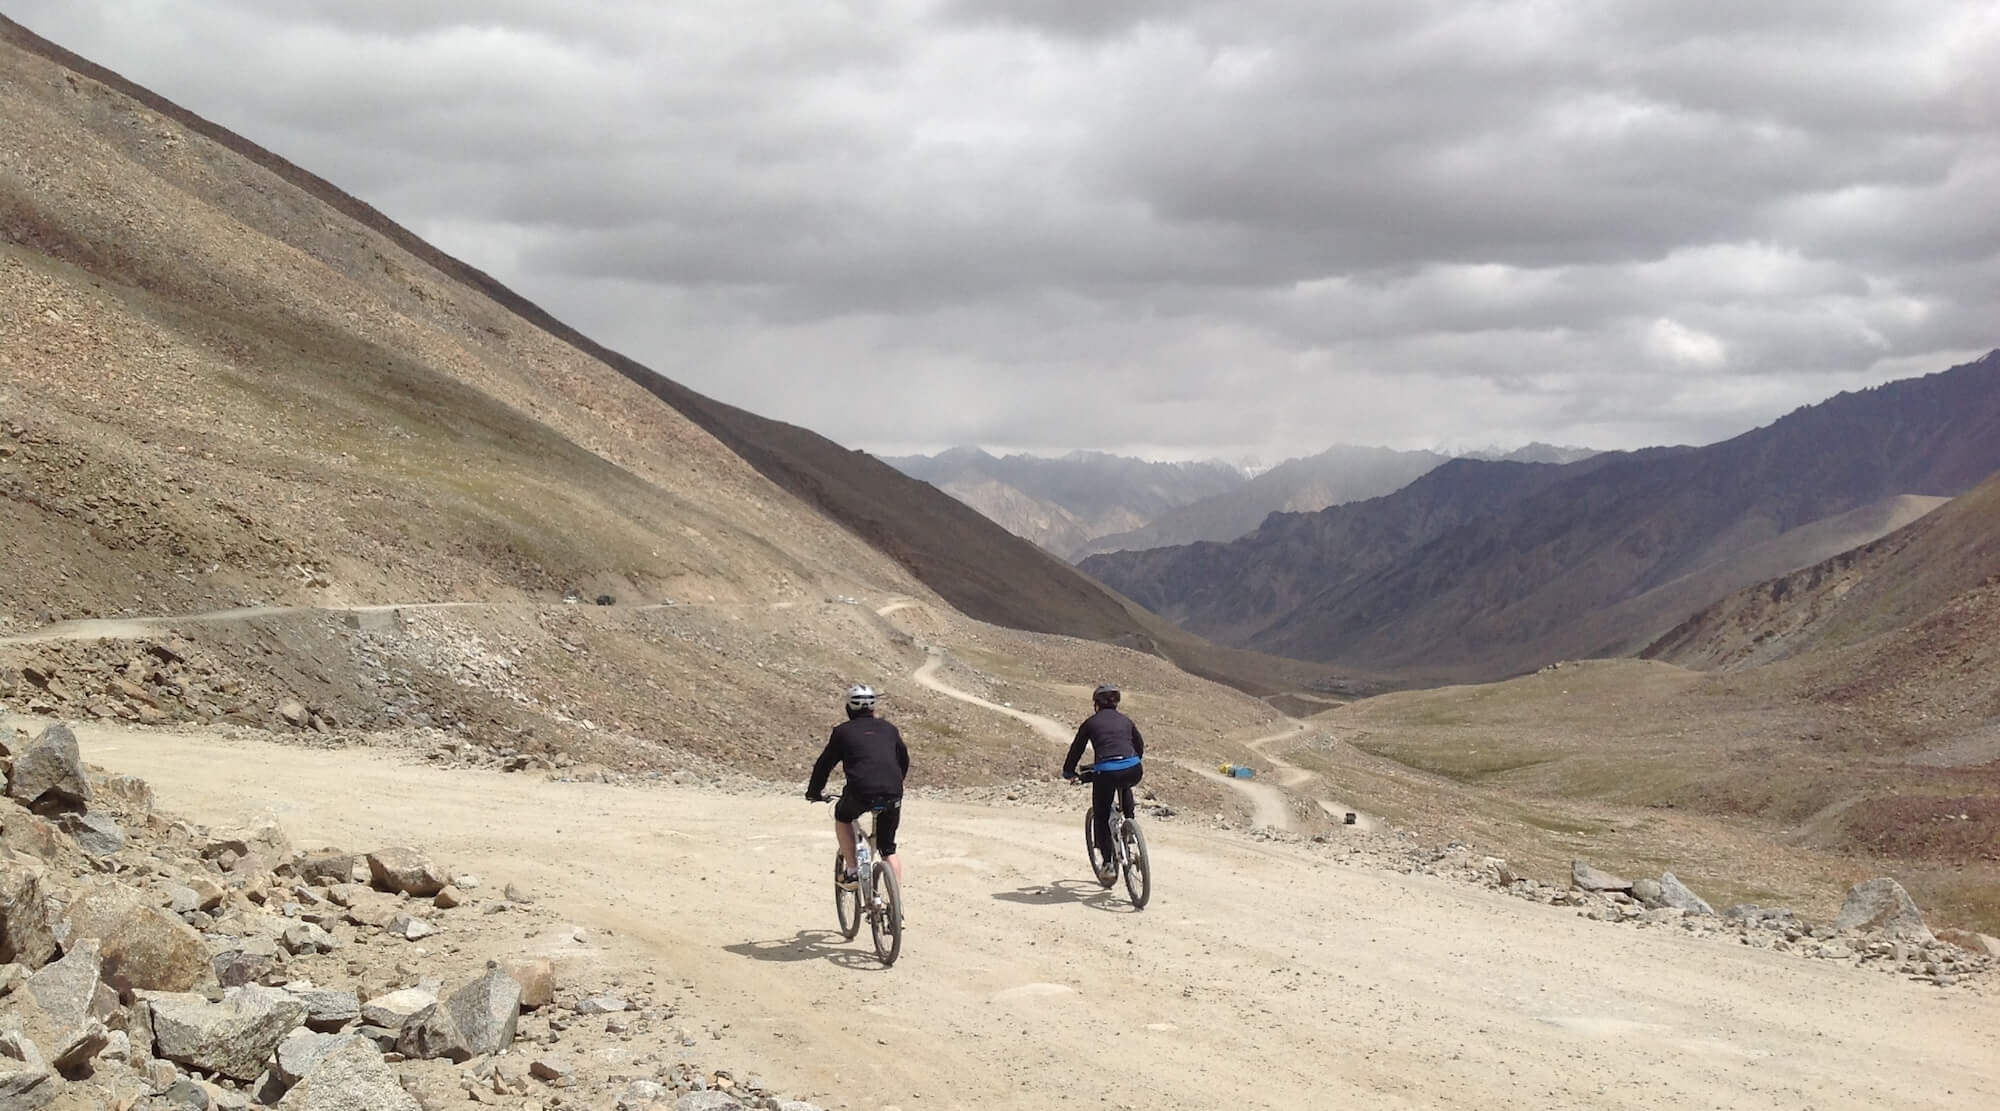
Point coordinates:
[[405, 872], [145, 948], [1586, 878], [26, 934], [537, 977], [325, 869], [64, 989], [96, 834], [84, 1044], [409, 928], [349, 1076], [233, 1038], [474, 1021], [327, 1009], [394, 1010], [1675, 894], [49, 769], [298, 1053], [486, 1011], [1649, 893], [708, 1101], [25, 1088], [1882, 906]]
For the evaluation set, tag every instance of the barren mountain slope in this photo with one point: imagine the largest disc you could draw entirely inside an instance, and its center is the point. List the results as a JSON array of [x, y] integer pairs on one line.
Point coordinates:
[[1870, 589], [216, 390], [1502, 593], [219, 381], [978, 566], [1232, 591]]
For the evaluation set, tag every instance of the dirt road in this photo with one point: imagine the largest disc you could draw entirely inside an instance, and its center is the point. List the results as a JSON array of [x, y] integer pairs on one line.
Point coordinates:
[[1262, 976]]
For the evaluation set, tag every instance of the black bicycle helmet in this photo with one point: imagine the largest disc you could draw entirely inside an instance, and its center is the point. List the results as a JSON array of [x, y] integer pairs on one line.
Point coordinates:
[[1105, 696]]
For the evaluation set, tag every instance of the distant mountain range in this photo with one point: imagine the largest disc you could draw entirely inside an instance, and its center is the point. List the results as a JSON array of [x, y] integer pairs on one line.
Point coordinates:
[[1087, 502], [1062, 503], [1483, 569]]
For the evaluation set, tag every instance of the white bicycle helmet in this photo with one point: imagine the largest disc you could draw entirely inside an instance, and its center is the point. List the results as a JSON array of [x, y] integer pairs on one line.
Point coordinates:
[[860, 696]]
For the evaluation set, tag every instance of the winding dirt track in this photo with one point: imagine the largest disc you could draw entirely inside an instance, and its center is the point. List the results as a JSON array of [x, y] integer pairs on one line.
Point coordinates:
[[1262, 975]]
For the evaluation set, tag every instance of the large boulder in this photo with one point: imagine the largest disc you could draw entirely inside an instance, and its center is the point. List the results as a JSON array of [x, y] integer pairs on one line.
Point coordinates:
[[25, 1087], [326, 868], [263, 841], [64, 989], [1881, 906], [537, 977], [328, 1009], [232, 1038], [486, 1011], [395, 1009], [1675, 894], [29, 835], [1583, 877], [406, 872], [49, 771], [474, 1021], [349, 1076], [26, 935], [94, 833], [145, 948], [298, 1053]]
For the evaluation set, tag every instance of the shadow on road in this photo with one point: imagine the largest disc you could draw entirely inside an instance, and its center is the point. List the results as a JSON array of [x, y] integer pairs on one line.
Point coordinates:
[[812, 945], [1064, 892]]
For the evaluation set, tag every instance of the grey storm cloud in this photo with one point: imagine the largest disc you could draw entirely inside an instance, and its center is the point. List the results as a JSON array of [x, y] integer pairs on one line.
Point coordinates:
[[1172, 227]]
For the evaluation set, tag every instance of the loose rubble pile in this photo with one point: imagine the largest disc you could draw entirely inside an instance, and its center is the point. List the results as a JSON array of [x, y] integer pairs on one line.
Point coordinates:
[[1879, 926], [149, 963]]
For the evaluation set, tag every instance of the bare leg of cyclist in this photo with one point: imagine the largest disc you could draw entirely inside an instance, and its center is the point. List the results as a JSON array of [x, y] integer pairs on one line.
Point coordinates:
[[844, 832], [896, 866]]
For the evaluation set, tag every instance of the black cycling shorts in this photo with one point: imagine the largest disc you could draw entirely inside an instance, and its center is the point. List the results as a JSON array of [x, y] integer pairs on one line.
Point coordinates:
[[850, 807]]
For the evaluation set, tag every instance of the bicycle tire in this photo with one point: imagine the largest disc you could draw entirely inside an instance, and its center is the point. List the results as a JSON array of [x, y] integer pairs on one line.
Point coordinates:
[[1139, 886], [846, 903], [1104, 878], [886, 921]]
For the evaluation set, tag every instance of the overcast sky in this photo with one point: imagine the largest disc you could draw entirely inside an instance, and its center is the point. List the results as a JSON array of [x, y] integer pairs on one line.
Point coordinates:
[[1243, 227]]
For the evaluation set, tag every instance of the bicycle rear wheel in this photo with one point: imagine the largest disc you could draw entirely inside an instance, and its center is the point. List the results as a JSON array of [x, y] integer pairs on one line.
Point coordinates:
[[846, 902], [885, 918], [1105, 876], [1138, 866]]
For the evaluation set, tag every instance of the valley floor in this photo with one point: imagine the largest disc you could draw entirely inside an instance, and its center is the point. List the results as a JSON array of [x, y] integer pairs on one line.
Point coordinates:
[[1263, 975]]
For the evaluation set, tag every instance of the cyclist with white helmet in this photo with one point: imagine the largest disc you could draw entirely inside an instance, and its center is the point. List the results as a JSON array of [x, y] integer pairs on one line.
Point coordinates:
[[1116, 751], [871, 752]]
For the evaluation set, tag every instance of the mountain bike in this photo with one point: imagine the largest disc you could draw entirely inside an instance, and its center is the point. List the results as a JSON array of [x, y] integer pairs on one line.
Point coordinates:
[[883, 907], [1128, 847]]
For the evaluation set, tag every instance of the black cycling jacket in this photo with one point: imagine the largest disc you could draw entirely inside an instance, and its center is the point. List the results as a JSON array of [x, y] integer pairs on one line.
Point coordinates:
[[872, 752], [1109, 734]]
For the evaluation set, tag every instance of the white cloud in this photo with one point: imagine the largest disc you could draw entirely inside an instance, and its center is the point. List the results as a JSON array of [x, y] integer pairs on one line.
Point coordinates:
[[1249, 228]]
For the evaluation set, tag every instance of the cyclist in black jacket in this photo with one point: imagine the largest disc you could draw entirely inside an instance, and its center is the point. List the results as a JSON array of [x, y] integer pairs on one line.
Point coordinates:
[[1116, 751], [872, 753]]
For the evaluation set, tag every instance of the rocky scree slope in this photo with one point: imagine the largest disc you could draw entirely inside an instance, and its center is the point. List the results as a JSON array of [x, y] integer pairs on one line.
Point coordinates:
[[150, 963]]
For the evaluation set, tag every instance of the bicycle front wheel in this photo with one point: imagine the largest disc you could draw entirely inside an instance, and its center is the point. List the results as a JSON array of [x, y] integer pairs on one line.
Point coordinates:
[[1138, 867], [846, 902], [885, 918]]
